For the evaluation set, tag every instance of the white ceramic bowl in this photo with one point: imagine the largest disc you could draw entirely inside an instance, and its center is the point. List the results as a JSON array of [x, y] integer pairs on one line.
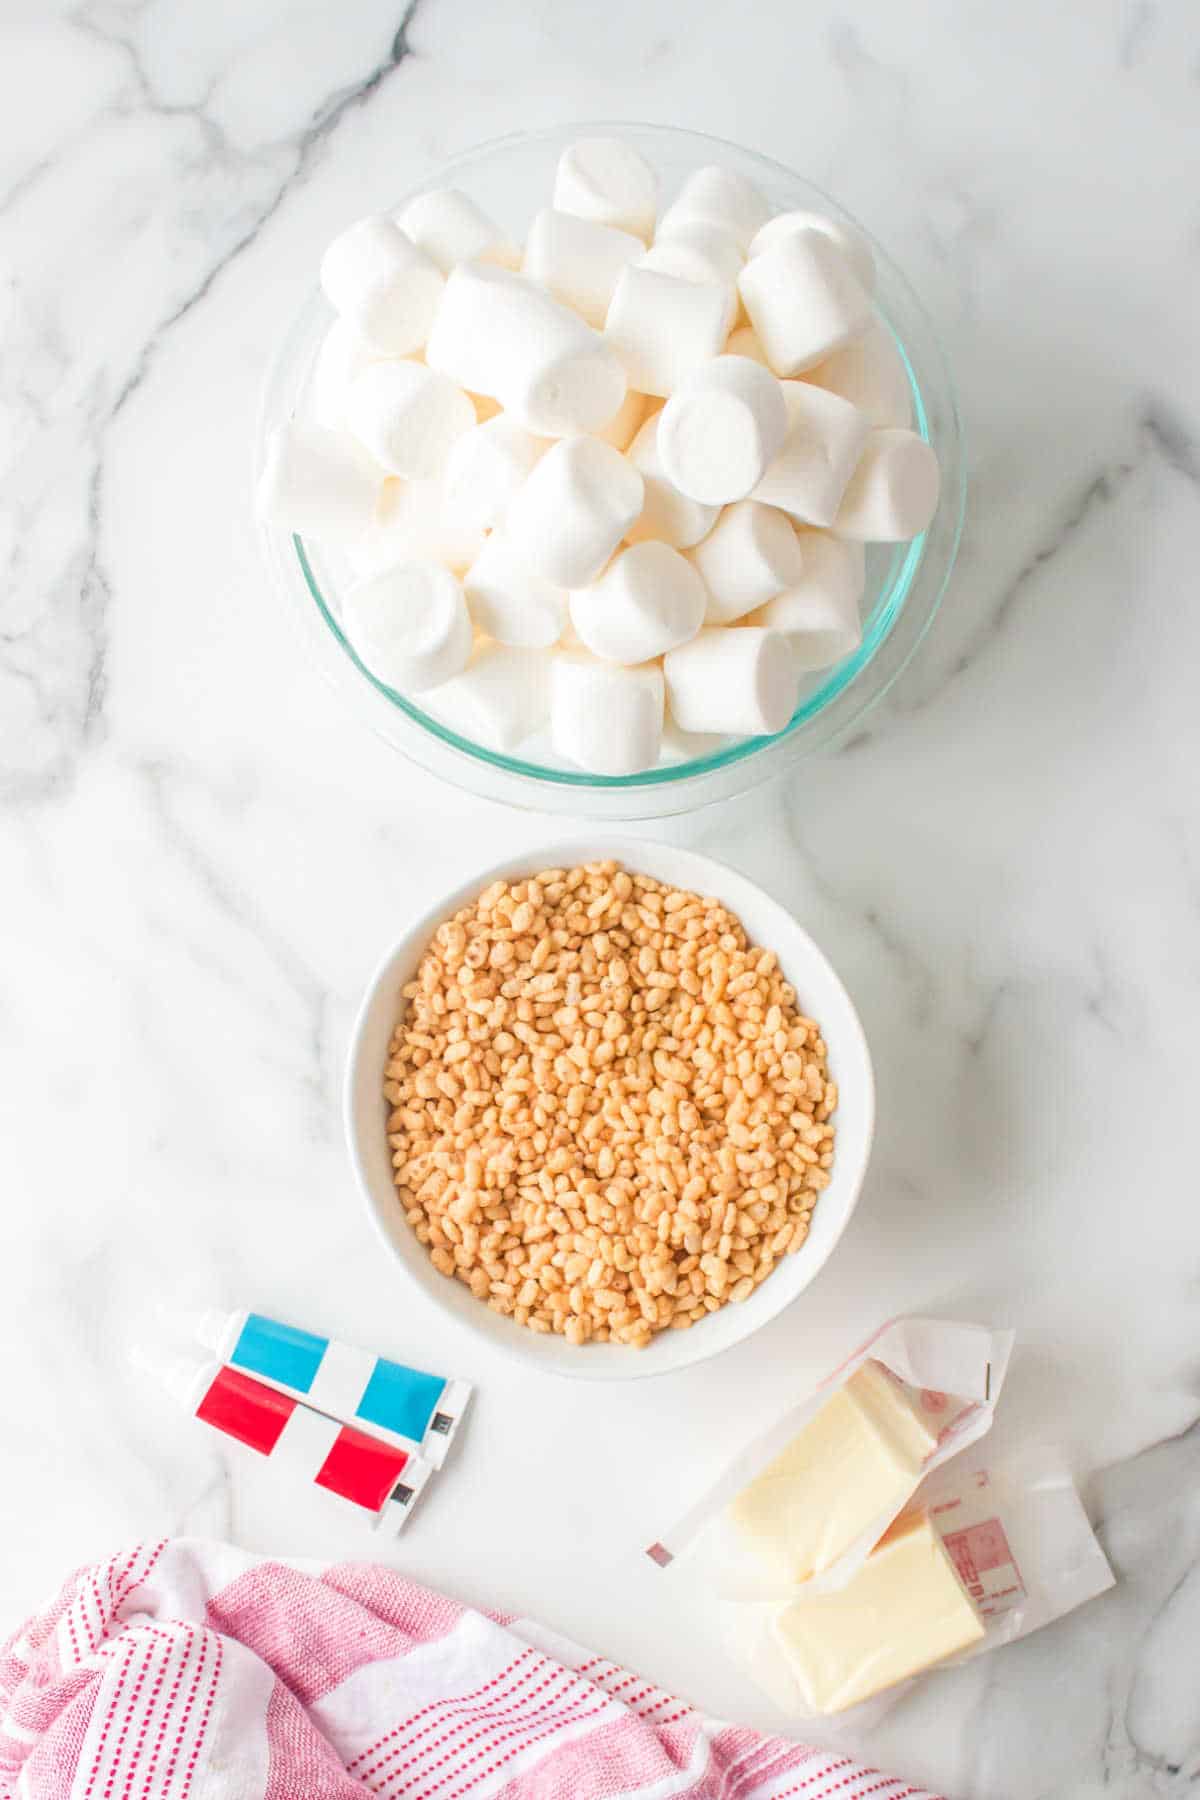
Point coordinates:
[[819, 993]]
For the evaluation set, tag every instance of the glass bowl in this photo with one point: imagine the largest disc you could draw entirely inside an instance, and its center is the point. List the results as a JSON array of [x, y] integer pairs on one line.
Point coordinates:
[[510, 178]]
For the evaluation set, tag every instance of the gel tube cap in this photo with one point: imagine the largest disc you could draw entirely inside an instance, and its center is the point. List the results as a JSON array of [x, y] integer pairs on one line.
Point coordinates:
[[413, 1408]]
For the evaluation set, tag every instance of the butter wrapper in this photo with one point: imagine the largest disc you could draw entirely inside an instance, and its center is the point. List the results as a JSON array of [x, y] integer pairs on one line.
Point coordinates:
[[985, 1555], [801, 1507]]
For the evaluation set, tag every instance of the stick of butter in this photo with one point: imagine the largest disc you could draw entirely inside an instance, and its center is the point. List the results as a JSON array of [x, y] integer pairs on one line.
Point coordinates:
[[856, 1462], [904, 1610]]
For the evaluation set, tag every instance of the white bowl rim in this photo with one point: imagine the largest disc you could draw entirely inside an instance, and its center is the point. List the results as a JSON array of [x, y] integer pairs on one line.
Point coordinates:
[[517, 1341]]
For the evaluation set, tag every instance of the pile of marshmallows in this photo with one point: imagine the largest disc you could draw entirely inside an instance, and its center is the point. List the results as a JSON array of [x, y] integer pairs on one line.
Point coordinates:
[[593, 492]]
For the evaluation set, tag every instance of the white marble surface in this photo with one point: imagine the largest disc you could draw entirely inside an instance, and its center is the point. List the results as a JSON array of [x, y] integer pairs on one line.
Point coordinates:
[[203, 854]]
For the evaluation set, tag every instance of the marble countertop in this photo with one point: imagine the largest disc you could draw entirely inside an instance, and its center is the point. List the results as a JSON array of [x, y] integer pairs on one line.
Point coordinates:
[[203, 854]]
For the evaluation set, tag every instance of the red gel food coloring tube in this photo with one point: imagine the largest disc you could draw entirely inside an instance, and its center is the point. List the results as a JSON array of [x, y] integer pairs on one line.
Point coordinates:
[[362, 1469]]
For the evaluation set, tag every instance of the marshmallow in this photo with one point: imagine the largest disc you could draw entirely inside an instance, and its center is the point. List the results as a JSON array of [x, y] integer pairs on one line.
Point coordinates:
[[717, 249], [744, 342], [693, 250], [686, 263], [505, 331], [319, 482], [578, 260], [688, 746], [663, 329], [477, 330], [606, 180], [870, 373], [501, 698], [699, 252], [408, 417], [803, 300], [486, 467], [825, 438], [607, 720], [378, 280], [721, 428], [819, 615], [497, 333], [409, 625], [718, 197], [581, 389], [893, 493], [649, 599], [626, 422], [413, 520], [666, 513], [749, 556], [742, 680], [847, 238], [344, 353], [448, 226], [508, 602], [573, 510]]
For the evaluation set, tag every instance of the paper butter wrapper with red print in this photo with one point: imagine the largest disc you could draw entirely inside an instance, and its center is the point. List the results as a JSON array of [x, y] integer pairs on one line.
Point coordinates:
[[1020, 1540], [803, 1505], [1021, 1546]]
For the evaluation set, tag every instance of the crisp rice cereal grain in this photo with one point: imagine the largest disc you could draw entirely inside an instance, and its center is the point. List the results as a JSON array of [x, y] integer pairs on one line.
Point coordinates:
[[608, 1117]]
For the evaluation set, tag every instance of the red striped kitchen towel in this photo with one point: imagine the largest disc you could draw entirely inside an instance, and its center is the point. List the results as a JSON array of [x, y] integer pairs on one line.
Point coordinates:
[[190, 1669]]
